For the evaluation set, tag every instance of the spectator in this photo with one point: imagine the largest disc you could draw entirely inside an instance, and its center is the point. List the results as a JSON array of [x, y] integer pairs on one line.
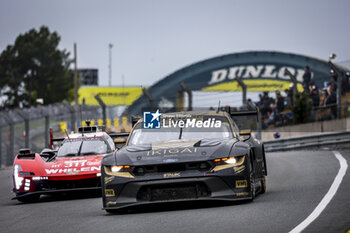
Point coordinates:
[[279, 101], [306, 77], [334, 78], [291, 94], [276, 135], [250, 105], [344, 83], [347, 76], [274, 116], [259, 103], [331, 99], [266, 102], [287, 103], [315, 97]]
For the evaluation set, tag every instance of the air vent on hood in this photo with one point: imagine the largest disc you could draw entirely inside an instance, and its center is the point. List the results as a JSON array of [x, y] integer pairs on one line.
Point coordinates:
[[139, 148], [26, 156], [207, 143]]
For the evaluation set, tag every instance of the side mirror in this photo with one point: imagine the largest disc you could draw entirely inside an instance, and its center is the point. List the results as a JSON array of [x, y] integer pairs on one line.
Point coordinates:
[[245, 132], [47, 151]]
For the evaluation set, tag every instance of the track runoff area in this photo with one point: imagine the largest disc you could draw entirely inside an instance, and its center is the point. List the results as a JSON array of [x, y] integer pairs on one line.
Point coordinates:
[[307, 191]]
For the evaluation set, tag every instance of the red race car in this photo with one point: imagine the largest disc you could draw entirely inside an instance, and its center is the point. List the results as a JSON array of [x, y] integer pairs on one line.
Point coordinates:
[[75, 165]]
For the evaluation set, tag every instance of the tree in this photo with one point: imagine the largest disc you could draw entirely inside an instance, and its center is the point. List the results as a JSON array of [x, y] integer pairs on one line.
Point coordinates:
[[302, 108], [34, 68]]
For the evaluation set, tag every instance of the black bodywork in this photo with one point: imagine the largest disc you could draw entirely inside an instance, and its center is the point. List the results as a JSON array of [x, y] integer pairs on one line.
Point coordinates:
[[185, 170]]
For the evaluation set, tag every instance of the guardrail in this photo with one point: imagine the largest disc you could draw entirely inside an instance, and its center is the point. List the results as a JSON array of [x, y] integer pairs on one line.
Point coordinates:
[[308, 141]]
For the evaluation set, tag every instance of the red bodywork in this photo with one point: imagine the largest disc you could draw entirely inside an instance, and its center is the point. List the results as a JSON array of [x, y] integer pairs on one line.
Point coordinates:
[[37, 175]]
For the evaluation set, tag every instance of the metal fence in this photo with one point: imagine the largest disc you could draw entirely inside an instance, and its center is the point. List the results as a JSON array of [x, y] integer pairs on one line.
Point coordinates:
[[308, 141], [21, 128]]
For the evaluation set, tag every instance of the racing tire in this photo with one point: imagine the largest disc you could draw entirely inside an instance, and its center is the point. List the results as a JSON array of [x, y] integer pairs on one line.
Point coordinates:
[[252, 183], [29, 199], [118, 211], [263, 185]]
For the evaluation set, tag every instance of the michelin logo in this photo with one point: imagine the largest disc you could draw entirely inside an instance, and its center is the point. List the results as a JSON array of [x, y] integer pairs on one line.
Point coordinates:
[[151, 120]]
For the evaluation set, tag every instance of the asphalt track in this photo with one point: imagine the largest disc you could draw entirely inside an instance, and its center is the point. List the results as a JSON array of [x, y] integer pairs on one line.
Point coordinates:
[[297, 182]]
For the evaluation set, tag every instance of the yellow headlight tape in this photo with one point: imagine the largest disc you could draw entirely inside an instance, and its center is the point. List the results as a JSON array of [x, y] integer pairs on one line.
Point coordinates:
[[124, 174], [111, 203], [120, 174]]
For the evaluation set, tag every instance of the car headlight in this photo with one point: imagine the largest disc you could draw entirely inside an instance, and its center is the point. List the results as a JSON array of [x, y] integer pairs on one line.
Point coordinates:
[[231, 160], [116, 168], [17, 179], [234, 160]]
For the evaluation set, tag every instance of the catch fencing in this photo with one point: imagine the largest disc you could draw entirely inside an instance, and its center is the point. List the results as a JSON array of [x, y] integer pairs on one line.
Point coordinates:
[[29, 128], [313, 141]]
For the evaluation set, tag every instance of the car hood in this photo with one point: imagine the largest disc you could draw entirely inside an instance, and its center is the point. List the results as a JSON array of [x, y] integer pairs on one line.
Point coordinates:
[[184, 150], [81, 165]]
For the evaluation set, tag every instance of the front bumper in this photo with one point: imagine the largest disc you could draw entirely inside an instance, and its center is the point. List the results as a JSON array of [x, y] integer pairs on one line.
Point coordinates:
[[39, 187], [47, 192], [126, 192]]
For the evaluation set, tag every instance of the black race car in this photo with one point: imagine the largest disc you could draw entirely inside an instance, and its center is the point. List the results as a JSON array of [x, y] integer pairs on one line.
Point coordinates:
[[190, 156]]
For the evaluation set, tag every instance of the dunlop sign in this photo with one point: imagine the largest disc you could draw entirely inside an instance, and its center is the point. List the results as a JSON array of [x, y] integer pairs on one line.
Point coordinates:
[[258, 71]]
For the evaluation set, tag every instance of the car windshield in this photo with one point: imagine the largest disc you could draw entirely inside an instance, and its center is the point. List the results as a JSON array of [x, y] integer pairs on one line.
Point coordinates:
[[141, 135], [83, 146]]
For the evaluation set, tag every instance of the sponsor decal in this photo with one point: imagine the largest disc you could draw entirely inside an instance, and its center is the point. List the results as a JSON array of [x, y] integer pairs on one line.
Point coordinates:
[[109, 179], [69, 172], [171, 174], [111, 203], [170, 160], [93, 163], [72, 171], [75, 163], [253, 85], [109, 192], [267, 71], [172, 151], [241, 183], [110, 95], [239, 169], [242, 194]]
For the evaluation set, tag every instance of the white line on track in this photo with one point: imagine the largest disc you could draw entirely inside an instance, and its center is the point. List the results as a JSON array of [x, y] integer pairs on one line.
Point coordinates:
[[328, 197]]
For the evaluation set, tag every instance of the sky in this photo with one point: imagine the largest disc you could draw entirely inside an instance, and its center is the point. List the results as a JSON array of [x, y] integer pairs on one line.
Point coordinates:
[[154, 38]]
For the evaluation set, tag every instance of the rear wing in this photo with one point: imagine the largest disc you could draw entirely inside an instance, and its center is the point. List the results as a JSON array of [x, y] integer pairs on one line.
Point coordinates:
[[245, 113], [52, 139], [119, 138], [245, 119], [119, 135]]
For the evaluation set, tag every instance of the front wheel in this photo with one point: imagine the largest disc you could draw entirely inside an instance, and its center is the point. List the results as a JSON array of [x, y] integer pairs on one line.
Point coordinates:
[[252, 184], [116, 211], [263, 185]]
